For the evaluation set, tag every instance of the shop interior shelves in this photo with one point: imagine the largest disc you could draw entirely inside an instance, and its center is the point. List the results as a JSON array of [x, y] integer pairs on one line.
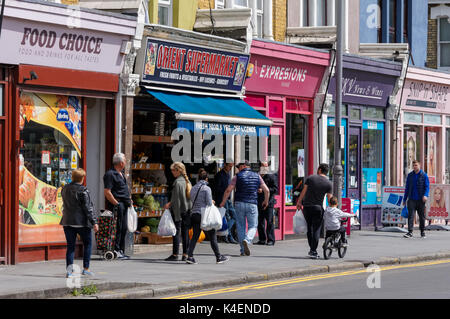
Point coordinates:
[[152, 139], [150, 213], [147, 166]]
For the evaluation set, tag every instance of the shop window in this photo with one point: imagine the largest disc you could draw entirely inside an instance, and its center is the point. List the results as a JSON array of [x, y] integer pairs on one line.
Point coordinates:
[[432, 119], [296, 154], [373, 113], [50, 134], [411, 146], [372, 162], [344, 109], [355, 114], [409, 117], [276, 109], [165, 12], [298, 105], [447, 166], [444, 43], [431, 167]]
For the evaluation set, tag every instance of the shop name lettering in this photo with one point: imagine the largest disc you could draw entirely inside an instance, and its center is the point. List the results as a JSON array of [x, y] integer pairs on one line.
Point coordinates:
[[351, 87], [69, 42], [224, 128], [282, 73], [193, 61], [434, 92]]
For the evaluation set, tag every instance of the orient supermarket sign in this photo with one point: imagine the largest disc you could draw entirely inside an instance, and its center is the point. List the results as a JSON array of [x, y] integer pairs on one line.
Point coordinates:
[[173, 63], [59, 46]]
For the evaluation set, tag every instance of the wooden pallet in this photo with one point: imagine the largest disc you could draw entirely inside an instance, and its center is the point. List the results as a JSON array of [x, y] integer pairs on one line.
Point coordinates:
[[152, 238]]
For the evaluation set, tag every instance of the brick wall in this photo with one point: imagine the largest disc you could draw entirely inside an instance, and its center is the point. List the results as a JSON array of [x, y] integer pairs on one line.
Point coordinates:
[[204, 4], [432, 44], [279, 20]]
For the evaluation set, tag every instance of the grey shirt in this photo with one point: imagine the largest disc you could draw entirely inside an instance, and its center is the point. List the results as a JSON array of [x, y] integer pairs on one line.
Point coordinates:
[[204, 197], [179, 203]]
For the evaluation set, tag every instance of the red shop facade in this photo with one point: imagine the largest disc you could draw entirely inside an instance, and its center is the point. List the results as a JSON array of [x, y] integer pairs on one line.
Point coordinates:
[[59, 88], [283, 86]]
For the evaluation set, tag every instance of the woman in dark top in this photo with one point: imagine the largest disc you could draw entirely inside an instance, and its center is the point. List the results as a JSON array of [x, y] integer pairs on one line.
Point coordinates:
[[78, 218]]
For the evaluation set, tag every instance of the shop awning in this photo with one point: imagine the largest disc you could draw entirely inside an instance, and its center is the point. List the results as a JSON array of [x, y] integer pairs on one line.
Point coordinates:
[[229, 115]]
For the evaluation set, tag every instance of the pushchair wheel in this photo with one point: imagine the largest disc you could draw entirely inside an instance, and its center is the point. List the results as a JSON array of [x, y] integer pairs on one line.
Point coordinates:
[[109, 255], [115, 254]]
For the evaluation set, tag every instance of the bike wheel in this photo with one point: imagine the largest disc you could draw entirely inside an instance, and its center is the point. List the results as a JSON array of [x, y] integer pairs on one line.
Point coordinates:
[[328, 248], [342, 250]]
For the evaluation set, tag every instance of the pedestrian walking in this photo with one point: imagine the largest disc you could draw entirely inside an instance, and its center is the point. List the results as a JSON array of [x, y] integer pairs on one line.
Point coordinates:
[[78, 219], [201, 195], [222, 180], [179, 206], [416, 195], [246, 183], [267, 233], [118, 197], [311, 203]]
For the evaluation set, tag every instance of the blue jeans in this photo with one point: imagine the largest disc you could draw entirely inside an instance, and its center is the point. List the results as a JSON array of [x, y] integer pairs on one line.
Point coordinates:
[[71, 238], [249, 212], [231, 216]]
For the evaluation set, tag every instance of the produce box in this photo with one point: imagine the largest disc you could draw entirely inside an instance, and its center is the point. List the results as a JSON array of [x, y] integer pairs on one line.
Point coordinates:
[[153, 238]]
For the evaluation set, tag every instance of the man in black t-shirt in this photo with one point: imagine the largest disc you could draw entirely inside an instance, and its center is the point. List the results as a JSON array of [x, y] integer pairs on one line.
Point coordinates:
[[118, 198], [311, 203]]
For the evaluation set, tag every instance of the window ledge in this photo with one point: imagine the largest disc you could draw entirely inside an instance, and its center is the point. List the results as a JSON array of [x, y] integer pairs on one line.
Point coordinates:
[[384, 50], [223, 19], [441, 11], [304, 35]]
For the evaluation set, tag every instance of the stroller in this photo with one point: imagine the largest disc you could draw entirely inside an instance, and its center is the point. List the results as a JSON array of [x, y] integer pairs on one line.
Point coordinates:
[[106, 235]]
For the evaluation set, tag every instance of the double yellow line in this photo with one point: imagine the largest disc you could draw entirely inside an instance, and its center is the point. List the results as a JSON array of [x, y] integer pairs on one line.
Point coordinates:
[[302, 279]]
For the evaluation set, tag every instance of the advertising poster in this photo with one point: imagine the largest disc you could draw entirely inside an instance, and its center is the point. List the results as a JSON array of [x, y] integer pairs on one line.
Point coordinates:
[[288, 195], [436, 207], [411, 149], [431, 157], [392, 206], [301, 162]]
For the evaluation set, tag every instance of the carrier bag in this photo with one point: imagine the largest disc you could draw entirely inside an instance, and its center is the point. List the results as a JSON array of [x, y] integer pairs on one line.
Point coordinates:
[[132, 219], [166, 226], [405, 213], [211, 218], [300, 225]]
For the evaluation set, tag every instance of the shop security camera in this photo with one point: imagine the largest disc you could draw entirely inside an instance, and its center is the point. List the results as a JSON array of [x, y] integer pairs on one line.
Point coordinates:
[[33, 76]]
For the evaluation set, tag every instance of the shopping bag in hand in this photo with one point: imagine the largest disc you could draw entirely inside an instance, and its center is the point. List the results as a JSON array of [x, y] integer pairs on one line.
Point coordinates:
[[166, 226], [405, 212], [211, 218], [300, 225], [132, 219]]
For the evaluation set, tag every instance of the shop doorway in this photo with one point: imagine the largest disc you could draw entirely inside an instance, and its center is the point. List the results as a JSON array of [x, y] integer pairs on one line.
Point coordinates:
[[354, 163], [276, 161], [3, 231]]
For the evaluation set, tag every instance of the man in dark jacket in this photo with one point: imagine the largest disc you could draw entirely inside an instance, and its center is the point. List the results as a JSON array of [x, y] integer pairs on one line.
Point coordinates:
[[271, 180], [78, 218], [222, 180], [118, 198], [247, 184], [416, 195]]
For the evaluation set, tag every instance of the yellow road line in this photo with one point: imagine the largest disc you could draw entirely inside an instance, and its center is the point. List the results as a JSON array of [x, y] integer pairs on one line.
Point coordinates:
[[302, 279]]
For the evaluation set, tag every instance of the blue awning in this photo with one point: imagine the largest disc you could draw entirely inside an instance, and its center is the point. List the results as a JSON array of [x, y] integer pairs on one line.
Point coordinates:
[[216, 114]]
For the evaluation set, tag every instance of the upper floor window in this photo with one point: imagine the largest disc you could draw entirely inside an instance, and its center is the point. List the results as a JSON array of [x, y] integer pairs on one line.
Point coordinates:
[[444, 43], [220, 4], [260, 17], [392, 21], [240, 3], [165, 12], [316, 13]]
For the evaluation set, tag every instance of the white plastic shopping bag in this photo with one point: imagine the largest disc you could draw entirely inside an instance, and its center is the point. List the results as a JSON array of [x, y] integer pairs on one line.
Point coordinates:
[[300, 226], [166, 225], [132, 219], [211, 218]]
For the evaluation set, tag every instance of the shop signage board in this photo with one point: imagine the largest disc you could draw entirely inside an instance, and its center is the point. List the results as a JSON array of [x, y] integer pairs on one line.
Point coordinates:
[[364, 88], [427, 95], [438, 202], [392, 205], [224, 129], [179, 64], [284, 77], [59, 46]]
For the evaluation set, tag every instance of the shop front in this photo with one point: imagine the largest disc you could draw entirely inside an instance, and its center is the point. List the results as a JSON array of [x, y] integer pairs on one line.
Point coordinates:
[[189, 110], [424, 126], [366, 90], [60, 85], [283, 87]]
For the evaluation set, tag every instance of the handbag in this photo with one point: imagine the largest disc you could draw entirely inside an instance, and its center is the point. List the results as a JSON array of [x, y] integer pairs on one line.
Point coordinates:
[[405, 213], [132, 219]]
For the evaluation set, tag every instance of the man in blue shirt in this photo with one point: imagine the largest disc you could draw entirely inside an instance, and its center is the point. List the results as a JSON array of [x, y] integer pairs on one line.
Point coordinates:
[[416, 192]]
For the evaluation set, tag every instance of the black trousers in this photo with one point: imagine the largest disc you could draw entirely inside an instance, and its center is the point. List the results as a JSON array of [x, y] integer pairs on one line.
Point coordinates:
[[122, 228], [195, 223], [314, 218], [266, 215], [413, 206], [182, 234]]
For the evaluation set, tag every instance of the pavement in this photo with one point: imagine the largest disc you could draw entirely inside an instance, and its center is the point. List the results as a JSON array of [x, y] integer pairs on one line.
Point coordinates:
[[148, 275]]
